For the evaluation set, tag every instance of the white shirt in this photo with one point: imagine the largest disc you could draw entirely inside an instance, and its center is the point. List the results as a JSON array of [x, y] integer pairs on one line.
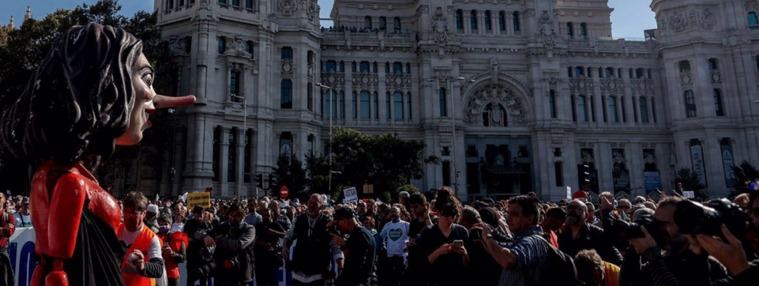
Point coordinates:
[[395, 236]]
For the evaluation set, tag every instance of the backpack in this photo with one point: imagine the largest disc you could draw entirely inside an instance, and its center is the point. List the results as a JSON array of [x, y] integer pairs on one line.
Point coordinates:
[[557, 269]]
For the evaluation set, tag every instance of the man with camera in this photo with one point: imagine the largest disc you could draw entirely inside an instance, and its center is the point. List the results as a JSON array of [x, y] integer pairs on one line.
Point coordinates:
[[199, 257], [234, 256], [359, 248], [677, 259]]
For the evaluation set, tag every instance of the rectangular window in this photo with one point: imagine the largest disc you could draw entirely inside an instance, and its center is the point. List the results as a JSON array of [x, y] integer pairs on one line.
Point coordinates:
[[310, 96], [249, 5], [635, 109], [398, 68], [365, 106], [443, 98], [473, 20], [552, 99], [558, 170], [570, 30], [502, 21], [605, 110], [234, 85], [517, 22], [574, 109], [653, 109], [354, 104], [286, 94], [341, 106], [592, 104], [643, 106], [398, 106], [459, 20], [364, 67], [488, 21], [232, 156], [582, 108], [388, 104], [330, 67], [690, 104], [236, 3], [622, 108], [719, 108], [446, 173], [287, 53], [247, 165], [221, 44]]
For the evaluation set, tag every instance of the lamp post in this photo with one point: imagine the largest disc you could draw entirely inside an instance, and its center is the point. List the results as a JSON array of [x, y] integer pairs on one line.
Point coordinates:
[[244, 132], [329, 150], [453, 131]]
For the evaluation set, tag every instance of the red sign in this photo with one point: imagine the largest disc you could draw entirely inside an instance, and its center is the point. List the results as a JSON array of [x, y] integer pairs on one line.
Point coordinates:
[[283, 192]]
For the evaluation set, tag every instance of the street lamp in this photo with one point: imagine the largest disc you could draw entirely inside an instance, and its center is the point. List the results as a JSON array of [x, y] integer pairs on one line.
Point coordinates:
[[245, 133], [453, 132], [329, 151]]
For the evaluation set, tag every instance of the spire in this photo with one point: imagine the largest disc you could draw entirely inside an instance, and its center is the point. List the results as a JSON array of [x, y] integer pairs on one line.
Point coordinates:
[[11, 24], [28, 14]]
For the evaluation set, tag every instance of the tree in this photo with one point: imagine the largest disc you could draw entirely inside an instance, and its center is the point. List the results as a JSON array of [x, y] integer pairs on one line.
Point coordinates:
[[290, 173], [744, 175], [385, 161]]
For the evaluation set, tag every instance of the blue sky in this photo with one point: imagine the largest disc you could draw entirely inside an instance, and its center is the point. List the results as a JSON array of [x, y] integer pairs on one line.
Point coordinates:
[[629, 19]]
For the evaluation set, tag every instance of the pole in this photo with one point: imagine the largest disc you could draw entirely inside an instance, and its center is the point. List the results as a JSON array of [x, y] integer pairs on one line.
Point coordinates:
[[241, 181], [329, 147], [453, 138]]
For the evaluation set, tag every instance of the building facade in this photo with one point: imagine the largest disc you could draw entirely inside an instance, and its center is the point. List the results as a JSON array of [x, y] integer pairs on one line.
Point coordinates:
[[513, 95]]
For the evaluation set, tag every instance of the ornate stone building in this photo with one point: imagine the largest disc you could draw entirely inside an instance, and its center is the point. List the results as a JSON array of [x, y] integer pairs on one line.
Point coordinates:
[[513, 95]]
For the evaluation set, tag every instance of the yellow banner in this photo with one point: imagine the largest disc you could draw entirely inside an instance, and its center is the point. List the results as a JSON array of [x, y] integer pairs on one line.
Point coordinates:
[[202, 199]]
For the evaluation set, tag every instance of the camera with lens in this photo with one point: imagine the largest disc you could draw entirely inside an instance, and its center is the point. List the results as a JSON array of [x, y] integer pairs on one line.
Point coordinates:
[[630, 230], [695, 218]]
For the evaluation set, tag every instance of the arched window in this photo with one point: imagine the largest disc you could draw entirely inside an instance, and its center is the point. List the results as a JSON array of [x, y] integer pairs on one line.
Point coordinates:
[[382, 23], [488, 21], [579, 72], [502, 22], [643, 107], [613, 109], [640, 73], [397, 24], [473, 20], [753, 20], [365, 106], [443, 99], [570, 30], [517, 22], [364, 67], [459, 20], [584, 30], [610, 72], [582, 108], [719, 107], [286, 144], [286, 94], [494, 115], [398, 68], [368, 22], [398, 106], [330, 67], [234, 85], [287, 53]]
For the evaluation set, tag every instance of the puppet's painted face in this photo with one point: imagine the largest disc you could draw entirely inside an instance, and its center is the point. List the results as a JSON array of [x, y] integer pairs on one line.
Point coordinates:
[[142, 79]]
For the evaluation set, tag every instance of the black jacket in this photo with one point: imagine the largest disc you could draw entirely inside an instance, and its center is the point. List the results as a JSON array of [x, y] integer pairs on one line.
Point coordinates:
[[235, 261], [590, 237], [360, 254], [312, 252]]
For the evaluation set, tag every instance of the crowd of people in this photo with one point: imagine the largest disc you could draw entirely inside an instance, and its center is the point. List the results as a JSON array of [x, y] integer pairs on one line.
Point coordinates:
[[434, 239]]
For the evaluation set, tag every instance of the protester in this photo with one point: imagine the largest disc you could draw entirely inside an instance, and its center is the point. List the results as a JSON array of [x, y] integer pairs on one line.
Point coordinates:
[[442, 246], [23, 216], [394, 236], [359, 248], [200, 261], [312, 252], [7, 228], [593, 271], [579, 235], [174, 248], [151, 217], [143, 261], [267, 249], [522, 256], [233, 241]]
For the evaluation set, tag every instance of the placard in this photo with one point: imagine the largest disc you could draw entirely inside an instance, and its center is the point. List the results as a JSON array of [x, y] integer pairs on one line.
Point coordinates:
[[350, 195], [202, 199]]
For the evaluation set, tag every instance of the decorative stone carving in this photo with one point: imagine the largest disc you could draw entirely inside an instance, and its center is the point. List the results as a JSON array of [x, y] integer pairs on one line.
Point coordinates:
[[498, 95], [365, 82], [582, 85], [287, 68], [687, 18], [440, 27], [546, 24], [334, 79], [288, 7], [686, 78], [397, 82], [239, 48], [707, 19], [677, 21], [177, 46]]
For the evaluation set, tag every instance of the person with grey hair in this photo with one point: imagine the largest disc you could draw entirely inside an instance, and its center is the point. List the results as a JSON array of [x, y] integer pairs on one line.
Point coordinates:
[[310, 239], [579, 235]]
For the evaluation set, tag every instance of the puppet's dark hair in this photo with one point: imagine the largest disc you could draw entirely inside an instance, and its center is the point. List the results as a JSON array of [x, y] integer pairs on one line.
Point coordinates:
[[78, 101]]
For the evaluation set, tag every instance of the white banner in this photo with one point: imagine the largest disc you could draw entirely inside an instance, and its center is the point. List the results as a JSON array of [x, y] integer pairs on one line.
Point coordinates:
[[21, 253]]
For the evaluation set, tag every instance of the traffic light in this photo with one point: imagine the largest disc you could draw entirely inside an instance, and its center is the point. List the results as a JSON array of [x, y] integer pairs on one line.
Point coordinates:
[[260, 181], [587, 177]]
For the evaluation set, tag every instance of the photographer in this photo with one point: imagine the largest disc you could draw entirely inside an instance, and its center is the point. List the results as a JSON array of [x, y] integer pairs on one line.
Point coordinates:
[[199, 257], [682, 262], [233, 240]]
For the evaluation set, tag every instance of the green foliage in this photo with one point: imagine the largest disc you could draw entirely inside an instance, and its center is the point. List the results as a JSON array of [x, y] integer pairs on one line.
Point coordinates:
[[744, 174], [385, 161], [290, 173]]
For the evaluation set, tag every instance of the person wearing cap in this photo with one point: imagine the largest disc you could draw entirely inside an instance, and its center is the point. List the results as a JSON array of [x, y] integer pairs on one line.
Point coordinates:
[[23, 216], [359, 248], [151, 217]]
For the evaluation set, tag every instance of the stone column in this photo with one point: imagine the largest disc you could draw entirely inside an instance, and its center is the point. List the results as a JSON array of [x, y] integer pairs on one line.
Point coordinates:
[[604, 166], [223, 158], [634, 155], [240, 160]]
